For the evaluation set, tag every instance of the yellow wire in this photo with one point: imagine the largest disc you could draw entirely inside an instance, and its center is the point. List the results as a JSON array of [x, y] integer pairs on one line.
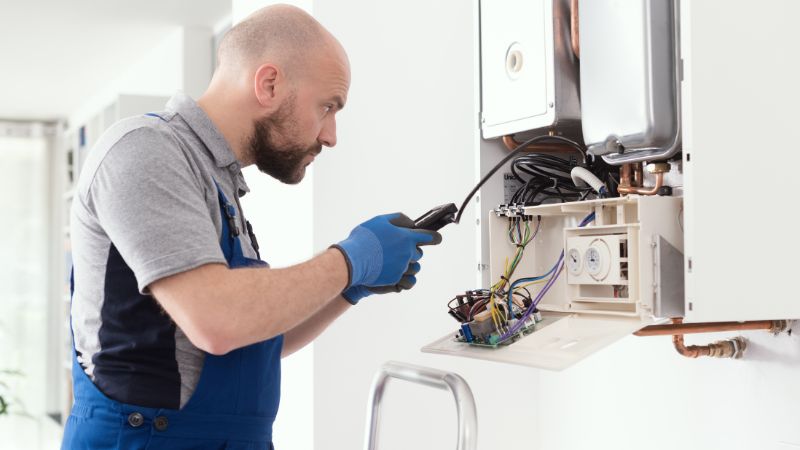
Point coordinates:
[[525, 237]]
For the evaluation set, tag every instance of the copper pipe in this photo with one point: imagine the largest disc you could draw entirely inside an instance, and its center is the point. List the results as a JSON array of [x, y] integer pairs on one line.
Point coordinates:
[[511, 144], [637, 175], [728, 348], [626, 186], [625, 176], [574, 26], [774, 326], [643, 190]]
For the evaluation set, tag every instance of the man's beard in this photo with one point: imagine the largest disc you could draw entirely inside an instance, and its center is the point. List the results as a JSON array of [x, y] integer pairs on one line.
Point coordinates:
[[283, 162]]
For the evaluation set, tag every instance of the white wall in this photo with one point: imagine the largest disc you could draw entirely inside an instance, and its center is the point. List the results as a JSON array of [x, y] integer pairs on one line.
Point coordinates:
[[640, 393], [407, 141], [182, 61], [243, 8]]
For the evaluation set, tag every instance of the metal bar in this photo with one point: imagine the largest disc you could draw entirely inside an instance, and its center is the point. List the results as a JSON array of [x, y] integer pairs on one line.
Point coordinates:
[[465, 402]]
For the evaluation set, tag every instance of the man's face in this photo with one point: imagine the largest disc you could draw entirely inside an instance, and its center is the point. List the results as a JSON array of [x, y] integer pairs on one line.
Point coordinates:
[[286, 142]]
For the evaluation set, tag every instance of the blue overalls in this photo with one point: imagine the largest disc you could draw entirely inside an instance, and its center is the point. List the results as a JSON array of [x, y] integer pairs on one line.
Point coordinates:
[[233, 405]]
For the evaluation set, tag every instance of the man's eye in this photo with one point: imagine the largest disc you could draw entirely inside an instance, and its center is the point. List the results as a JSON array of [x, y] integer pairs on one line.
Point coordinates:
[[327, 108]]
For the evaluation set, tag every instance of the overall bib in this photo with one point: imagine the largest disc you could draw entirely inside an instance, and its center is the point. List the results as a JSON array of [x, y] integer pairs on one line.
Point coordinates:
[[233, 406]]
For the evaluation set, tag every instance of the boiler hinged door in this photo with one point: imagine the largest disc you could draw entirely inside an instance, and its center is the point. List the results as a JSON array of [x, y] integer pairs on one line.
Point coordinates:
[[621, 272]]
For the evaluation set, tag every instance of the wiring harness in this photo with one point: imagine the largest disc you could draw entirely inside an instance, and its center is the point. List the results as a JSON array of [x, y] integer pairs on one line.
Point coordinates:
[[508, 310], [547, 178]]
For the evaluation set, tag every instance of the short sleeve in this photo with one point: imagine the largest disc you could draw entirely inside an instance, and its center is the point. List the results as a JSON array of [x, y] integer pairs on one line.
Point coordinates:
[[150, 202]]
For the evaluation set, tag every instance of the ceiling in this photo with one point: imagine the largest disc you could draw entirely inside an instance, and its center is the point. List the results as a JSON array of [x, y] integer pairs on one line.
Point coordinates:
[[54, 53]]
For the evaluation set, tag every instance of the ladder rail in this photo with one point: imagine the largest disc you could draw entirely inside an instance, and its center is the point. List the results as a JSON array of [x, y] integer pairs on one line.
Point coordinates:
[[465, 401]]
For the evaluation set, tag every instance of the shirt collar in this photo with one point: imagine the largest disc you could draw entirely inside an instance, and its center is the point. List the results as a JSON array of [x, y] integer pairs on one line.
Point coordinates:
[[204, 128]]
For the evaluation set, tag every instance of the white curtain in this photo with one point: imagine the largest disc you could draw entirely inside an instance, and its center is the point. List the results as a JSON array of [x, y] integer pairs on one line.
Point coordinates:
[[23, 291]]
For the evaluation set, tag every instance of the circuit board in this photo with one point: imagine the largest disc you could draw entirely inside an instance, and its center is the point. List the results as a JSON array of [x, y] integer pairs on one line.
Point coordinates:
[[528, 329]]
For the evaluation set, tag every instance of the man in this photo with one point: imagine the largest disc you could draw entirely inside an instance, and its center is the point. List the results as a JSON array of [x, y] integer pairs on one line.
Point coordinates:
[[178, 326]]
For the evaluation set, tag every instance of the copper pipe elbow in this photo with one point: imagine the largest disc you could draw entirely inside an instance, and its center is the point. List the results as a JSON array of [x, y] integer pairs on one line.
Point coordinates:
[[510, 142], [626, 186], [728, 348], [642, 190]]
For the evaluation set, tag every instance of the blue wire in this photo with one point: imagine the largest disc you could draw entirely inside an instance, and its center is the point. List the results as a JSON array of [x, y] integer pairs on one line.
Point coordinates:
[[524, 280], [587, 220]]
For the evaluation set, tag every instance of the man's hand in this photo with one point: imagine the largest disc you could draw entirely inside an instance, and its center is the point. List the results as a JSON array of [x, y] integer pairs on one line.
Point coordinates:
[[382, 255], [356, 293]]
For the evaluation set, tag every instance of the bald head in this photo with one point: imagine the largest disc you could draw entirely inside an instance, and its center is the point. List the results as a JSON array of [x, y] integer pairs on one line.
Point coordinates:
[[280, 81], [281, 34]]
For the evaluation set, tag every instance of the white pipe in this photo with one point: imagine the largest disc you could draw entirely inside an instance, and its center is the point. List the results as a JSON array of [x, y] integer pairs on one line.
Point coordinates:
[[465, 402], [582, 177]]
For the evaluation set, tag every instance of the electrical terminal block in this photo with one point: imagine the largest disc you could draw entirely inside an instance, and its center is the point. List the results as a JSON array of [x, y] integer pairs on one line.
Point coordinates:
[[513, 210]]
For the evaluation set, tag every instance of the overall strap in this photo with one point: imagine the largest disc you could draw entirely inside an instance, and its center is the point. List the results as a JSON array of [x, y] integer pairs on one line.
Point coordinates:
[[229, 240]]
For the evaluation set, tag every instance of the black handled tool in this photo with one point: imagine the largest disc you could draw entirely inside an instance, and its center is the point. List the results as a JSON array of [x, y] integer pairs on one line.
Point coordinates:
[[437, 218]]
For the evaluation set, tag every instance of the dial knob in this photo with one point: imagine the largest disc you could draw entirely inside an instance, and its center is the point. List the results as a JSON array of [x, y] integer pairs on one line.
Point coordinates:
[[597, 259], [574, 261]]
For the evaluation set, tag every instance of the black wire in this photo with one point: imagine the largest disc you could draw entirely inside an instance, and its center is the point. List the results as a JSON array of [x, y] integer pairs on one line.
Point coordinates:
[[508, 157], [545, 177]]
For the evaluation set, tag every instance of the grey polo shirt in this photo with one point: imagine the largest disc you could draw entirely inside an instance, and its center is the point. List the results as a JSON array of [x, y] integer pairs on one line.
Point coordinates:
[[146, 207]]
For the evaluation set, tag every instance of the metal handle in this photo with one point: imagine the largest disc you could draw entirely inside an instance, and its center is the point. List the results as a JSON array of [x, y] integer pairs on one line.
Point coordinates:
[[465, 402]]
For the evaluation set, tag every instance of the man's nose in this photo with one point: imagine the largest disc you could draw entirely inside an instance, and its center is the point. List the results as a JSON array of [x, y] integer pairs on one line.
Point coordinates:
[[327, 135]]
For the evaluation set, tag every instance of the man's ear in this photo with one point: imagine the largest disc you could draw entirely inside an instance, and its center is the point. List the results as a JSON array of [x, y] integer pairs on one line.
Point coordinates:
[[267, 78]]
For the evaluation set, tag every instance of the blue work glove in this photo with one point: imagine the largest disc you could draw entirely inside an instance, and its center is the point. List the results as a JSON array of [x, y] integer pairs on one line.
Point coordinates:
[[356, 293], [379, 254]]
